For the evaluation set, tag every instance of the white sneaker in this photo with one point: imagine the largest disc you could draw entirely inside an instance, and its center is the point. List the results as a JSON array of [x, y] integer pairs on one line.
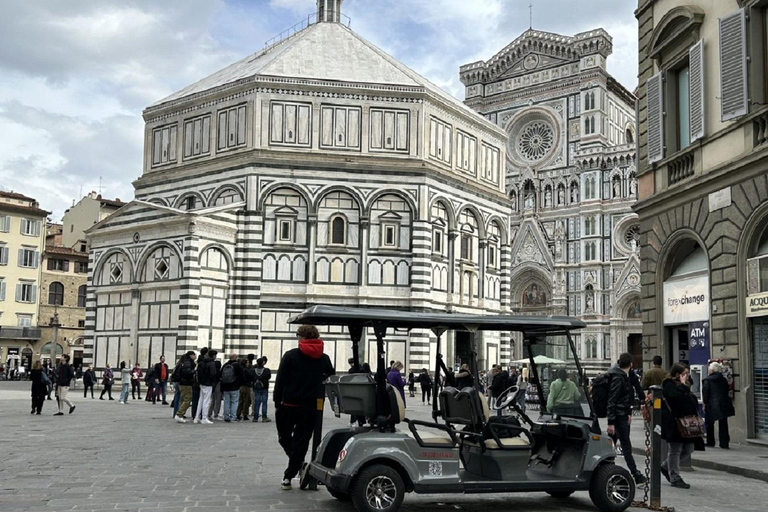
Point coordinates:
[[206, 421], [196, 421], [179, 419], [121, 402]]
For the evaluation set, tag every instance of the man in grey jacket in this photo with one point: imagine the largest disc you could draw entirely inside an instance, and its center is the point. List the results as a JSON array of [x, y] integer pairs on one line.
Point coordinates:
[[64, 377]]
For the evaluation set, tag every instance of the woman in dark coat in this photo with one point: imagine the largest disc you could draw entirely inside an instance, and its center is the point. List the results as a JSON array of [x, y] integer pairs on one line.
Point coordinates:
[[39, 388], [679, 402], [717, 405]]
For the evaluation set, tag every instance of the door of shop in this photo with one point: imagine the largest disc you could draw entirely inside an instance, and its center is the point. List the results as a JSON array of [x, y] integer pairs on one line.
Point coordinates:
[[760, 340]]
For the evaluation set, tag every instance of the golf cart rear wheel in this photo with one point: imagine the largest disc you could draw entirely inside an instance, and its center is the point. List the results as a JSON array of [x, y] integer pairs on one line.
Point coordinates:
[[612, 488], [341, 496], [378, 488], [560, 495]]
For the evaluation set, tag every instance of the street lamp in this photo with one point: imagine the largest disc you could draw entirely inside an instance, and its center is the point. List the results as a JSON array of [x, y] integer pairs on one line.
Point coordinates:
[[55, 325]]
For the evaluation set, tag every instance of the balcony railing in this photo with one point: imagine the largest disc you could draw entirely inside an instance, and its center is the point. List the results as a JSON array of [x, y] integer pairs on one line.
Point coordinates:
[[681, 168], [20, 333]]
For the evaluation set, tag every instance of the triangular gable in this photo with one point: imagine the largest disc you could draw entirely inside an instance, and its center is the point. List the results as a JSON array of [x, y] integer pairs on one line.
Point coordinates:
[[530, 246], [138, 211], [629, 277]]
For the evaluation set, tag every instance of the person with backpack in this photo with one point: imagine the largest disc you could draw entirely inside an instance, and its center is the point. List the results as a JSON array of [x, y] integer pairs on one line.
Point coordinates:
[[107, 380], [149, 381], [185, 376], [231, 378], [215, 408], [206, 378], [619, 410], [261, 375], [426, 386], [246, 388]]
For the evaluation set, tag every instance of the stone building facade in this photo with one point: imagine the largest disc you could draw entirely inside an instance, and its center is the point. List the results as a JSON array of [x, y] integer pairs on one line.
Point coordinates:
[[318, 170], [703, 193], [571, 183], [22, 239], [63, 286]]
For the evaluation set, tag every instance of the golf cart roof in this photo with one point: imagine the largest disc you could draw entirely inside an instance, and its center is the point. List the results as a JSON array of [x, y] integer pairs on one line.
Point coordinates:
[[398, 319]]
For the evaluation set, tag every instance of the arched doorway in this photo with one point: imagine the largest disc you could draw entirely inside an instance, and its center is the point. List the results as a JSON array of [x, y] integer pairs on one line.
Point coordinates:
[[757, 327], [26, 358], [686, 307]]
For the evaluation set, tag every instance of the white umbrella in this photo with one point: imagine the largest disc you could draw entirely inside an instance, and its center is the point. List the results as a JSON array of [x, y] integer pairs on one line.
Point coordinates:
[[540, 360]]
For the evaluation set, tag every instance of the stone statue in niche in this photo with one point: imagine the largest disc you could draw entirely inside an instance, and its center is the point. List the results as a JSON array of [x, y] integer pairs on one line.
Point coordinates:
[[560, 196], [513, 200], [590, 301], [529, 199], [533, 297], [548, 197], [574, 193], [632, 187], [616, 188]]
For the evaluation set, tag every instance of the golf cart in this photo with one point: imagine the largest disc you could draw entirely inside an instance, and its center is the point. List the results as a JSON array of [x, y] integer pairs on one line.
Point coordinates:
[[464, 449]]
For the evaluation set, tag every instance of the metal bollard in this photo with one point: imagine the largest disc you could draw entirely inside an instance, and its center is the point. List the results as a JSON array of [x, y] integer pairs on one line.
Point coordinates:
[[655, 430]]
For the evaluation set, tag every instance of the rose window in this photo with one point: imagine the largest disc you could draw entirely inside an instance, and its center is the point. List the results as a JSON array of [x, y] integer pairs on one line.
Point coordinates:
[[536, 141], [632, 234]]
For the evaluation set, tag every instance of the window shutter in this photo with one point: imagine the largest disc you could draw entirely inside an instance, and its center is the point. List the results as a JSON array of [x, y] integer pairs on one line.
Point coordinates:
[[696, 87], [2, 290], [733, 66], [19, 288], [35, 259], [66, 265], [21, 258], [654, 87], [36, 226], [33, 293]]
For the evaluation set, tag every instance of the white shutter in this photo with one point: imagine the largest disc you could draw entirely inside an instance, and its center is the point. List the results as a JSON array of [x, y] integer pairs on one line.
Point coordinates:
[[655, 86], [733, 66], [21, 258], [4, 255], [33, 293], [696, 87], [2, 290], [19, 288], [37, 228], [35, 259]]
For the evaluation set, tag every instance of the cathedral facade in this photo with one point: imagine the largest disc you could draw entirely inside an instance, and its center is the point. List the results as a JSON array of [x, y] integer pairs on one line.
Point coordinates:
[[319, 170], [571, 182]]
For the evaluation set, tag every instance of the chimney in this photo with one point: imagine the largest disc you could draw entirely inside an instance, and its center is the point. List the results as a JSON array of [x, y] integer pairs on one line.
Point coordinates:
[[329, 11]]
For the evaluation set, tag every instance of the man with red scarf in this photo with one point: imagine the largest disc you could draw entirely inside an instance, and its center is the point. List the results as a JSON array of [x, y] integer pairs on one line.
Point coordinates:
[[298, 386]]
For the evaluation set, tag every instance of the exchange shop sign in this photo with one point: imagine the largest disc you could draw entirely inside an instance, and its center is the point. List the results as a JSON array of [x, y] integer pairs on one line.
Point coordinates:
[[686, 300], [757, 304]]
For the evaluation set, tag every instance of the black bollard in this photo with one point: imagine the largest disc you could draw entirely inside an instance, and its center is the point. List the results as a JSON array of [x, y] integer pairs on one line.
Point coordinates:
[[656, 458]]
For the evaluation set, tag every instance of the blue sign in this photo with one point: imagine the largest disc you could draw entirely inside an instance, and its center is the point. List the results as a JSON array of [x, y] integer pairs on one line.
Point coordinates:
[[698, 343]]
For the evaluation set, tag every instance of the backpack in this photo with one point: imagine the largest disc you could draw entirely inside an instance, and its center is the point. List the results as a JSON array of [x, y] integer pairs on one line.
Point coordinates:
[[601, 388], [258, 384], [176, 375], [228, 374]]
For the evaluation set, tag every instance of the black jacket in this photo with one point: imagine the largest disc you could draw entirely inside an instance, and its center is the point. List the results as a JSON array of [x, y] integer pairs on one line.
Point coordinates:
[[425, 380], [678, 403], [619, 394], [266, 375], [38, 388], [635, 381], [300, 379], [499, 383], [714, 394], [158, 373], [64, 375], [187, 371], [239, 377], [206, 372], [89, 378]]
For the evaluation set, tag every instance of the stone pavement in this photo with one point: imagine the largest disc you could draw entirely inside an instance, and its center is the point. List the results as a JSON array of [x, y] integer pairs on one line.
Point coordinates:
[[132, 457]]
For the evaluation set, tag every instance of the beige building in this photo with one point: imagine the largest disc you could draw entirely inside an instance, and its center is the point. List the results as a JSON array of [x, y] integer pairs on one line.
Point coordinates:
[[62, 291], [88, 211], [703, 193], [22, 238]]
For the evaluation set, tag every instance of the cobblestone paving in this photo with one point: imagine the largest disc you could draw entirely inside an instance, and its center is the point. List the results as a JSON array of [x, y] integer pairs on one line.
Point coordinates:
[[132, 457]]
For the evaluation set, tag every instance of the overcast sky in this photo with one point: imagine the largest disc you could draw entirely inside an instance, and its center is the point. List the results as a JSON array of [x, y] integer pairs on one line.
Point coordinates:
[[75, 75]]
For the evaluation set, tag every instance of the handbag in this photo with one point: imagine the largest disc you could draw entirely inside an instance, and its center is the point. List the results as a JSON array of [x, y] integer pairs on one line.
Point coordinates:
[[689, 427]]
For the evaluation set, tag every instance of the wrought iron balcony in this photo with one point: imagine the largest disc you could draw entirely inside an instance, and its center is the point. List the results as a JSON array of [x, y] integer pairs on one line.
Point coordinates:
[[20, 333]]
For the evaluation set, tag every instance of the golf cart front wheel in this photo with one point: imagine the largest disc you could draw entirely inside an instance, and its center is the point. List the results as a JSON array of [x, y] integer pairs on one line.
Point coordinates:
[[378, 488], [612, 488]]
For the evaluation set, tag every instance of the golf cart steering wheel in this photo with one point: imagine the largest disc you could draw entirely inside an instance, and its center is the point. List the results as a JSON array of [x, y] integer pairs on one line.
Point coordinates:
[[507, 398]]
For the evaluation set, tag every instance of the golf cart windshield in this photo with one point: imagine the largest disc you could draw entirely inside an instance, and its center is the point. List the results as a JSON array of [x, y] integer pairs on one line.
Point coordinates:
[[554, 381]]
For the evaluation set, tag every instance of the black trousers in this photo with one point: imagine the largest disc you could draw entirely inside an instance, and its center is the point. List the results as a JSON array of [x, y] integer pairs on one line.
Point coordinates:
[[107, 389], [136, 389], [621, 424], [426, 393], [85, 390], [295, 426], [38, 400], [722, 428]]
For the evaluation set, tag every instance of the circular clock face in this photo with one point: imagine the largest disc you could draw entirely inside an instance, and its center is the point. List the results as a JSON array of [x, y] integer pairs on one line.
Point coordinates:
[[531, 61]]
